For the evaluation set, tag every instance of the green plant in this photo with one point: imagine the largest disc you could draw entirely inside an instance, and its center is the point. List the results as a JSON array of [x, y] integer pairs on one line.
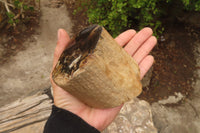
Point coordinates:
[[11, 19], [118, 15], [191, 5], [15, 10]]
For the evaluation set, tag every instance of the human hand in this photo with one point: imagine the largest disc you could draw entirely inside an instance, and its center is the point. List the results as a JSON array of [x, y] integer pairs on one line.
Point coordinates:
[[138, 45]]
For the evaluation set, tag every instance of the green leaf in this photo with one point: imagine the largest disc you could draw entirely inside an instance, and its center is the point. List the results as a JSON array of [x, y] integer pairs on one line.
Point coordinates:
[[10, 21], [16, 20], [10, 15], [16, 3], [25, 7], [31, 8], [20, 4]]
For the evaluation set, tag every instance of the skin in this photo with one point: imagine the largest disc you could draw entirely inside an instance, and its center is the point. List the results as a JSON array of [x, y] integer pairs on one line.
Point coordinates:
[[138, 45]]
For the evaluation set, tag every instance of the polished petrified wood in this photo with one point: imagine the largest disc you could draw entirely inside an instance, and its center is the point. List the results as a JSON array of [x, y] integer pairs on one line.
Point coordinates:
[[96, 70]]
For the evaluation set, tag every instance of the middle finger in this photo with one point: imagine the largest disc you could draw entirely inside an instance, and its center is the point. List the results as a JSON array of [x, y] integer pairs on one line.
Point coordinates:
[[138, 40]]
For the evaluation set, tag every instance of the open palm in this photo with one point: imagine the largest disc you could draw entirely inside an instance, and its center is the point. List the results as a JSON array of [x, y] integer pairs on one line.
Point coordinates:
[[138, 45]]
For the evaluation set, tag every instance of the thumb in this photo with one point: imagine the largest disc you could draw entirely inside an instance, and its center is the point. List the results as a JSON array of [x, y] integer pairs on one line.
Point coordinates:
[[62, 43]]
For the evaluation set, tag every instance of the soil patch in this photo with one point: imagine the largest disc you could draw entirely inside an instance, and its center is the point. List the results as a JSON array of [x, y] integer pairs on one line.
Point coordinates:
[[174, 63], [12, 38]]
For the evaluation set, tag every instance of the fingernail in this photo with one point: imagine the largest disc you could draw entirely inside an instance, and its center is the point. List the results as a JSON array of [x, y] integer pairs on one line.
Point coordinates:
[[59, 34]]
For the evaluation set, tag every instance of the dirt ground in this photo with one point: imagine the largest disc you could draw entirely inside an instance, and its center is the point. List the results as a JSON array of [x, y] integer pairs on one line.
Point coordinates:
[[173, 70], [12, 38]]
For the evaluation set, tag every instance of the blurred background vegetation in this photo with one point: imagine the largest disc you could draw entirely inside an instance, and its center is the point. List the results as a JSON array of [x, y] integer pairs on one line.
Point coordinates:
[[119, 15], [13, 12], [115, 15]]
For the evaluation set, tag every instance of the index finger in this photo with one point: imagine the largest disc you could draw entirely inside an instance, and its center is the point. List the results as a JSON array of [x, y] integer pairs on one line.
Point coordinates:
[[125, 37]]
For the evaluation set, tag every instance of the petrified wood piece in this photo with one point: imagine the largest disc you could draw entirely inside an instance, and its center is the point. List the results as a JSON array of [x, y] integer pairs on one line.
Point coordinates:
[[96, 70]]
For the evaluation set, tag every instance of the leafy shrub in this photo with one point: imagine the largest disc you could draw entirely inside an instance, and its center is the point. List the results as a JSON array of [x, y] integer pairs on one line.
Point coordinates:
[[118, 15], [16, 9]]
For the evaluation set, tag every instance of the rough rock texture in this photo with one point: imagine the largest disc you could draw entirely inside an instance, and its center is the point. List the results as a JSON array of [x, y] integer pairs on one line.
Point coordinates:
[[27, 114], [147, 78], [34, 128], [134, 117]]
